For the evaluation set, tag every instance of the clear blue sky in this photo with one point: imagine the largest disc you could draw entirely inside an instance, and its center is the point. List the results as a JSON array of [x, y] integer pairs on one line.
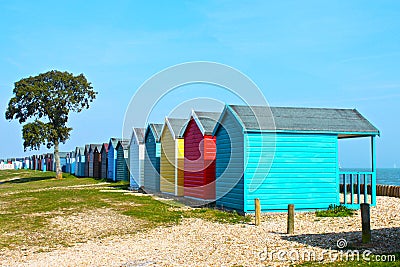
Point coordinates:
[[300, 53]]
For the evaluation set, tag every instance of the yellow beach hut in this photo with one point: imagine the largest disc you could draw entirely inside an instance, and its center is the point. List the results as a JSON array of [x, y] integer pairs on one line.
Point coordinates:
[[172, 157]]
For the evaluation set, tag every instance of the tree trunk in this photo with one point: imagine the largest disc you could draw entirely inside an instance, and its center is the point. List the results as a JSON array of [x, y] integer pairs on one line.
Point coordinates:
[[57, 159]]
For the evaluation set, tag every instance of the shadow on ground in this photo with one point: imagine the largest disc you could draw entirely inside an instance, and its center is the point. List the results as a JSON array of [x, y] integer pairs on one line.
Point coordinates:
[[384, 240], [25, 180]]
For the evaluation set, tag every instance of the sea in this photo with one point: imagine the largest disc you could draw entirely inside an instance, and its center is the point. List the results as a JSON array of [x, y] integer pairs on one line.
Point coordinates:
[[384, 176]]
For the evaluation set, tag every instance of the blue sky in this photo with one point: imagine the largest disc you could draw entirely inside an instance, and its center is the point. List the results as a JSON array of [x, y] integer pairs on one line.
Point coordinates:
[[300, 53]]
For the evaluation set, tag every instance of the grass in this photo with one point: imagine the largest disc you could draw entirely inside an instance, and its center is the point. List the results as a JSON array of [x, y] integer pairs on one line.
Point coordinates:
[[335, 211], [30, 199]]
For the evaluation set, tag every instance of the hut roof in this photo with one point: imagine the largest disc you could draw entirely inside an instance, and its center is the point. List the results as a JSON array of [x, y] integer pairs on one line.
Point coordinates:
[[206, 121], [104, 146], [303, 119], [94, 147], [156, 128], [124, 143], [63, 154], [114, 141], [176, 126], [139, 133], [79, 150]]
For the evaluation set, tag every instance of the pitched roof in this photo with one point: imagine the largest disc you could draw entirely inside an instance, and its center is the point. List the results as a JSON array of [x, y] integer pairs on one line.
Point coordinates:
[[79, 150], [176, 126], [124, 143], [114, 141], [104, 146], [139, 133], [95, 146], [156, 128], [62, 154], [87, 146], [303, 119], [205, 120]]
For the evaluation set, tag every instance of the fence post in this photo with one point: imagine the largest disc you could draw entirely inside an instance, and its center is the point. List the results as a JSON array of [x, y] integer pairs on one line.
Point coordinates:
[[290, 225], [258, 211], [365, 222]]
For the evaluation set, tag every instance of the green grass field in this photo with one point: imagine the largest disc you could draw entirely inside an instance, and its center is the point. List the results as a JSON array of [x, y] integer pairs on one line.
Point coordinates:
[[31, 200]]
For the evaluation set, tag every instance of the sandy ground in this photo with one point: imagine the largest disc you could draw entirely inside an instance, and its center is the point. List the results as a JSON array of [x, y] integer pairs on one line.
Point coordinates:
[[195, 242]]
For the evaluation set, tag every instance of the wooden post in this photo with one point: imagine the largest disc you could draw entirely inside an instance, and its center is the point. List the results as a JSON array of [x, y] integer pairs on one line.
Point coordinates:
[[290, 225], [366, 225], [258, 211]]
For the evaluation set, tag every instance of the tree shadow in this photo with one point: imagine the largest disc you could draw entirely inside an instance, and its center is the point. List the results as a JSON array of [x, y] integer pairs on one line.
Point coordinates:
[[384, 240], [26, 180]]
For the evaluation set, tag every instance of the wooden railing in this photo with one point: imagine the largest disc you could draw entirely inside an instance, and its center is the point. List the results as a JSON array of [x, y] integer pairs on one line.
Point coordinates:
[[359, 186]]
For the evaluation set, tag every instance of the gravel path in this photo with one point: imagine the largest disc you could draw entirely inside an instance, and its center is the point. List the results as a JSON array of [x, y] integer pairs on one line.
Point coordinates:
[[195, 242]]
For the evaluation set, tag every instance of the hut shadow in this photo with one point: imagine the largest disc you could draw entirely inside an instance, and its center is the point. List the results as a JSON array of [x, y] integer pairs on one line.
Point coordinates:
[[384, 240], [119, 186]]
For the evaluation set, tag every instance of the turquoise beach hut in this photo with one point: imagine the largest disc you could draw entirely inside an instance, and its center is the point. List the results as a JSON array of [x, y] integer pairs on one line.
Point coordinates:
[[293, 160], [152, 157]]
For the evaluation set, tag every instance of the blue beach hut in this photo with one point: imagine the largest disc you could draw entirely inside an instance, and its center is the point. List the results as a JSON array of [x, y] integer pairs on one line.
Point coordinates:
[[63, 161], [80, 162], [72, 163], [152, 157], [287, 156], [112, 158], [121, 169]]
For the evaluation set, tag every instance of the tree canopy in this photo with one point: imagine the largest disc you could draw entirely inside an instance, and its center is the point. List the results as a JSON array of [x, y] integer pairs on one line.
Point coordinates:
[[44, 102]]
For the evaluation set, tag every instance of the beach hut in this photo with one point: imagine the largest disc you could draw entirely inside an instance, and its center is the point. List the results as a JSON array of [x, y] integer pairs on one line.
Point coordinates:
[[97, 161], [80, 162], [39, 162], [104, 160], [63, 161], [34, 162], [72, 162], [87, 160], [121, 170], [112, 157], [136, 158], [152, 157], [70, 165], [26, 163], [94, 157], [44, 163], [291, 161], [199, 163], [172, 157]]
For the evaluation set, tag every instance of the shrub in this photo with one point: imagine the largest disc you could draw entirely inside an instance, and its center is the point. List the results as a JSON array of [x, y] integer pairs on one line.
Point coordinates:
[[335, 211]]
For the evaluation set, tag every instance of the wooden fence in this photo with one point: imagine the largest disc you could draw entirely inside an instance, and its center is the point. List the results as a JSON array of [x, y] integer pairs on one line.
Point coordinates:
[[381, 190]]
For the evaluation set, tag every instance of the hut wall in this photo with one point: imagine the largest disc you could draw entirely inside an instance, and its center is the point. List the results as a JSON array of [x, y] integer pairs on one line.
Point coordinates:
[[121, 166], [230, 164], [104, 164], [152, 163], [303, 171], [167, 163], [96, 164], [112, 156], [91, 162], [199, 163], [136, 157]]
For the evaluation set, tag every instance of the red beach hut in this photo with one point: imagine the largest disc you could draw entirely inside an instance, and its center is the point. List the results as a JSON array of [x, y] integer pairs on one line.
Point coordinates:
[[200, 151]]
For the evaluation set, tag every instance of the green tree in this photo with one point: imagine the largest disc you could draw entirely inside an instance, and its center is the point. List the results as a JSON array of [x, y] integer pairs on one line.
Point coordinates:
[[43, 104]]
